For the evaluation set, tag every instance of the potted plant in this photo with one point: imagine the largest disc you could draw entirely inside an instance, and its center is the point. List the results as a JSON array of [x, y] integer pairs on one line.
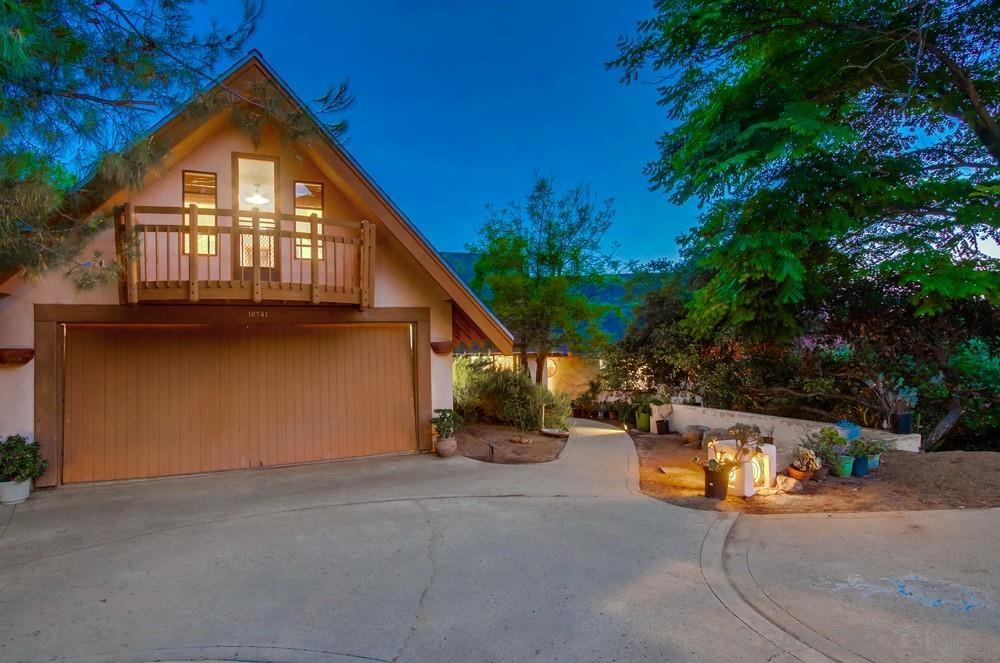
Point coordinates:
[[875, 449], [769, 437], [446, 422], [824, 444], [804, 464], [901, 417], [844, 462], [897, 400], [859, 450], [626, 411], [644, 409], [721, 466], [20, 462]]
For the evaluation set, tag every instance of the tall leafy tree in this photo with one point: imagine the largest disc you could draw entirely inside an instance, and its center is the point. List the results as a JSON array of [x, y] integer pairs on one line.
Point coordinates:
[[537, 259], [822, 134], [80, 83]]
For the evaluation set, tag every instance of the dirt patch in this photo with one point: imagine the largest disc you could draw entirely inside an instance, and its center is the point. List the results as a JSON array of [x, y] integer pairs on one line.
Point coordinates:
[[492, 443], [903, 482]]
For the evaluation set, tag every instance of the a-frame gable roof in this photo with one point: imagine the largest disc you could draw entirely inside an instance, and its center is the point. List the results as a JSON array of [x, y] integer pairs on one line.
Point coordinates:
[[338, 164]]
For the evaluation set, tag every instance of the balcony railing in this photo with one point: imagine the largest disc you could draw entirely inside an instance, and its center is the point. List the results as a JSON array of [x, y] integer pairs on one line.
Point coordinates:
[[195, 254]]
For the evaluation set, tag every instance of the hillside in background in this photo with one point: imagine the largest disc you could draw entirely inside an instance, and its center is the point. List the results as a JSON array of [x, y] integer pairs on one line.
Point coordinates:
[[623, 295]]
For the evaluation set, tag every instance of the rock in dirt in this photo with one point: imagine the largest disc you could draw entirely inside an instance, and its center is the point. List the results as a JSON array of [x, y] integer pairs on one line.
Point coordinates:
[[788, 484]]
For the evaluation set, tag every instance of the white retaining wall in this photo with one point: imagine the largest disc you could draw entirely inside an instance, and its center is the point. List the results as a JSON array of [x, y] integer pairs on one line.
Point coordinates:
[[787, 434]]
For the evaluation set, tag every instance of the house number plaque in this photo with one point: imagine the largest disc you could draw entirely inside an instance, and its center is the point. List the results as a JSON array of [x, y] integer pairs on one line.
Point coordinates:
[[257, 314]]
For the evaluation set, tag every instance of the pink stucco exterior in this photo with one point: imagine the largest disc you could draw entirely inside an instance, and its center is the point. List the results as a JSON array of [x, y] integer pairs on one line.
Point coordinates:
[[400, 281]]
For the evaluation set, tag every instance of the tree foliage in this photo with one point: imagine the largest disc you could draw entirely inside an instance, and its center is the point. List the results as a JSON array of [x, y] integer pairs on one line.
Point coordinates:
[[851, 134], [535, 260], [82, 81], [864, 354]]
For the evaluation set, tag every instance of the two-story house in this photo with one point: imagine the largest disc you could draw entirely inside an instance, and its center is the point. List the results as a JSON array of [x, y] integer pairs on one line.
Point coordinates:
[[279, 309]]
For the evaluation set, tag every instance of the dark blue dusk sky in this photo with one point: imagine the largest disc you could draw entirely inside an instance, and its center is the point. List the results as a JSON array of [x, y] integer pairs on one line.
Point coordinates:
[[460, 103]]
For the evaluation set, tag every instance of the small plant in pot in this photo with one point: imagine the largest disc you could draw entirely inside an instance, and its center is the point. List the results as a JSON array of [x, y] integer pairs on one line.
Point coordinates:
[[643, 404], [20, 462], [867, 454], [826, 443], [843, 464], [897, 401], [446, 422], [719, 468], [875, 449], [804, 464]]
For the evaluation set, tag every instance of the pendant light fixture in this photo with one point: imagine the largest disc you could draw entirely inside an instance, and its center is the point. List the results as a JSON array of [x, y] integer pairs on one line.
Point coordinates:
[[256, 198]]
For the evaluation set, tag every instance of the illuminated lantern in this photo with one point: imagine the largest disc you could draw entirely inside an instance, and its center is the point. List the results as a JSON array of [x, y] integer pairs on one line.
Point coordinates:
[[760, 471]]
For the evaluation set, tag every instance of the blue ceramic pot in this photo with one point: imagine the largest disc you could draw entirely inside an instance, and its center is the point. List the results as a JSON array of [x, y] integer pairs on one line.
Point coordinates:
[[860, 468], [873, 461]]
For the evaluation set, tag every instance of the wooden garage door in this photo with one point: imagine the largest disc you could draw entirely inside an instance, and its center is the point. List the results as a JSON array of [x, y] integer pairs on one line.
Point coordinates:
[[146, 401]]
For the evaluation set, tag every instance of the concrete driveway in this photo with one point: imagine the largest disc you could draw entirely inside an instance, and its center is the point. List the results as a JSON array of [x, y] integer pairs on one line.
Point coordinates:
[[396, 559]]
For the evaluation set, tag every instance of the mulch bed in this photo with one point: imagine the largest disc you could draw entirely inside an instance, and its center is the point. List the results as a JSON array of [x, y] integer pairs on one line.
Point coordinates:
[[493, 444], [904, 481]]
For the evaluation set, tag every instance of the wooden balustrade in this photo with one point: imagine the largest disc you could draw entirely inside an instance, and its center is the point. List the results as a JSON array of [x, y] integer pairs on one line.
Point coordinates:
[[197, 254]]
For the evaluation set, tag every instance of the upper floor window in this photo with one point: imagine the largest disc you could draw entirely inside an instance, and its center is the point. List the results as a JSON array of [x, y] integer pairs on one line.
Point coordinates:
[[200, 189], [308, 201]]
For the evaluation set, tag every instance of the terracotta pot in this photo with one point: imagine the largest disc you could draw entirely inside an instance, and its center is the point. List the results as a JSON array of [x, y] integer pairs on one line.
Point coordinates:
[[799, 474], [446, 447]]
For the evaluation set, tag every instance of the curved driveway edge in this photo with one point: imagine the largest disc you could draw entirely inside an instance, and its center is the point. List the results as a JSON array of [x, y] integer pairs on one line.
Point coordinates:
[[916, 586]]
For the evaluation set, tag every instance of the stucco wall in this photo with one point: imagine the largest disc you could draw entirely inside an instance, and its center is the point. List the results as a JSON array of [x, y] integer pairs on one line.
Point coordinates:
[[400, 281], [788, 433], [573, 375]]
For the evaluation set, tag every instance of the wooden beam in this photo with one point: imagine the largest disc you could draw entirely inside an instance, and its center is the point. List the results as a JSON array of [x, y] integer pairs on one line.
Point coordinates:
[[193, 252], [371, 263], [177, 211], [255, 216], [313, 259], [48, 399], [207, 314], [363, 274], [131, 263]]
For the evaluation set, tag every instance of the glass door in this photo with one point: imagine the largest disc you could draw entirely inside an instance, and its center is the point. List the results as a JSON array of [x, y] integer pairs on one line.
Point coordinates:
[[257, 190]]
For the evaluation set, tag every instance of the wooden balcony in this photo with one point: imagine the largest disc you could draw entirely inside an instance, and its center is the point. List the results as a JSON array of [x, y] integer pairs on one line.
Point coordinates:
[[262, 256]]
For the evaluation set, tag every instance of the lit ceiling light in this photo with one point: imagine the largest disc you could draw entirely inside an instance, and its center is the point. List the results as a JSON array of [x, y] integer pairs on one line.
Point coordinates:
[[256, 198]]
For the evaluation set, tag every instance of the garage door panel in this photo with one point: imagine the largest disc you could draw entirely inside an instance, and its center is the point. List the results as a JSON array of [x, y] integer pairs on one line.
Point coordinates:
[[145, 401]]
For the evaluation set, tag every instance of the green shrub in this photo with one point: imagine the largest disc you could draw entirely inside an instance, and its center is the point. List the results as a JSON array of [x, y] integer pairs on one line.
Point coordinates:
[[864, 446], [826, 443], [485, 392], [20, 459]]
